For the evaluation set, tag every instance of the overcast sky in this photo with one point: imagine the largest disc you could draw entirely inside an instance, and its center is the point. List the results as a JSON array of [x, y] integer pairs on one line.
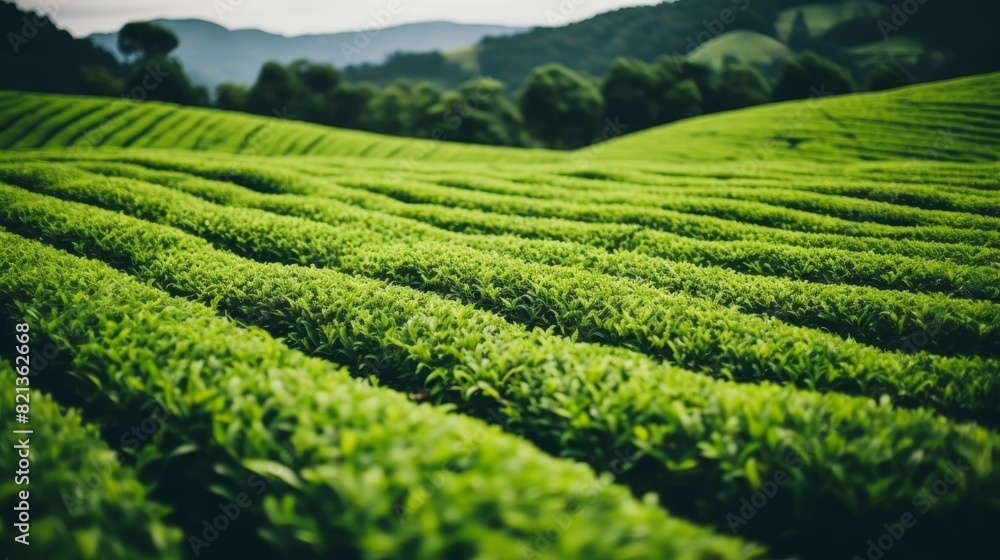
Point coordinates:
[[296, 17]]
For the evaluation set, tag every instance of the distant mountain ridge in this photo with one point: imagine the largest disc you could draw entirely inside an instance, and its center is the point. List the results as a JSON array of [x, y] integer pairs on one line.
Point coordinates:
[[212, 54]]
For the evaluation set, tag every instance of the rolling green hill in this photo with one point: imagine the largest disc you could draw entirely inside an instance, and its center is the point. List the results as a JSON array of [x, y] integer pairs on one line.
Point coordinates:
[[54, 121], [746, 47], [957, 120], [760, 334], [954, 120]]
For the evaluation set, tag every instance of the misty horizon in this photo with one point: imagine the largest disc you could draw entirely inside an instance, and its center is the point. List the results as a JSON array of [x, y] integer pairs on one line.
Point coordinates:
[[82, 18]]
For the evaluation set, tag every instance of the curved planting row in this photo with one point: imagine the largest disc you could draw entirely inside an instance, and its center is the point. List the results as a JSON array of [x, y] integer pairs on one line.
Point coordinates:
[[231, 132], [702, 445], [70, 496], [888, 182], [303, 180], [681, 216], [888, 320], [898, 124], [908, 185], [348, 465], [785, 208], [903, 265], [691, 332], [826, 259]]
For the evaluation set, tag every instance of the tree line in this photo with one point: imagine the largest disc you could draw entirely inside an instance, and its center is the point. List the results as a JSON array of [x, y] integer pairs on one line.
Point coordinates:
[[554, 107]]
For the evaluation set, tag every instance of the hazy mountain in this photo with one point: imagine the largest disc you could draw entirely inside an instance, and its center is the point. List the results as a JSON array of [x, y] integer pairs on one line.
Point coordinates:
[[212, 54]]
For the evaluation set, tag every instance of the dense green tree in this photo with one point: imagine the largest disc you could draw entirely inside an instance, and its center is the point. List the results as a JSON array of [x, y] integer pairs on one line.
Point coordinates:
[[143, 40], [741, 85], [414, 67], [809, 74], [705, 79], [387, 112], [346, 105], [274, 89], [560, 107], [632, 91], [888, 75], [231, 97], [154, 75], [477, 112], [400, 109], [313, 84], [682, 101], [163, 79], [316, 78], [99, 80], [668, 69]]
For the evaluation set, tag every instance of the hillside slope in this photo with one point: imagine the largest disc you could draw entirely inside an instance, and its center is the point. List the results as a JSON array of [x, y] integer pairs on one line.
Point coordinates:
[[955, 120], [743, 46], [29, 120], [309, 308]]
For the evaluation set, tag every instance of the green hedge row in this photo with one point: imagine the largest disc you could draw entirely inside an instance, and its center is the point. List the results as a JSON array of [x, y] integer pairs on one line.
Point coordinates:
[[938, 187], [81, 502], [900, 264], [684, 215], [369, 474], [373, 186], [701, 445], [691, 332], [540, 186], [888, 320], [773, 207]]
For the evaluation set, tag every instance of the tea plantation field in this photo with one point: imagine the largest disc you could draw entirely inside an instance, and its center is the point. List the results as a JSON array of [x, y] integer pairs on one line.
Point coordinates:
[[769, 333]]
